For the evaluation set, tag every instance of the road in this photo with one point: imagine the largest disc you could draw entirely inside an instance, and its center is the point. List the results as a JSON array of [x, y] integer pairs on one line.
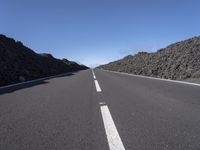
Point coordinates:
[[100, 110]]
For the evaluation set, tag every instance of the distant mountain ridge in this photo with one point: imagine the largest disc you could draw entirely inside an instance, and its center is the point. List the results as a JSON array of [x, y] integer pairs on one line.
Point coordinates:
[[178, 61], [19, 63]]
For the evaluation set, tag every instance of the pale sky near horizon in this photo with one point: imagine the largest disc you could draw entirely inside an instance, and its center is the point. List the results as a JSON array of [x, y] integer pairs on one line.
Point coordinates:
[[94, 32]]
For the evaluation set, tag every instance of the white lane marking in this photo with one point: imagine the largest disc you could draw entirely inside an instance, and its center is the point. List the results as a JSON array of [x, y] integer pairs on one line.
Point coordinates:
[[97, 86], [169, 80], [114, 140], [102, 103], [93, 73]]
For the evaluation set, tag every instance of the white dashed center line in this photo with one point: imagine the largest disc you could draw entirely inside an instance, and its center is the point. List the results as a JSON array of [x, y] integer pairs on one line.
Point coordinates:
[[97, 86], [114, 140]]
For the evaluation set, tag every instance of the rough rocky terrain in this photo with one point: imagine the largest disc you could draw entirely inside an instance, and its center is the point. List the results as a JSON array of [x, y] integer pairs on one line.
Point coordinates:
[[19, 63], [179, 61]]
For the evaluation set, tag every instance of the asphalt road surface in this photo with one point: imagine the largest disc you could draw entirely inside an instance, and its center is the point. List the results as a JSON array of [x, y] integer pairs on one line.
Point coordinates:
[[100, 110]]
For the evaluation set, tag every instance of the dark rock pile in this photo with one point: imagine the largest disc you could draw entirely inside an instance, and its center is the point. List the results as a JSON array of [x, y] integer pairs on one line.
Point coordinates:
[[19, 63], [73, 64], [178, 61]]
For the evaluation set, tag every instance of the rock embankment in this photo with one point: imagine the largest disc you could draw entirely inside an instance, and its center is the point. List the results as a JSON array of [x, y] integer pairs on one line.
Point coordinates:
[[178, 61], [19, 63]]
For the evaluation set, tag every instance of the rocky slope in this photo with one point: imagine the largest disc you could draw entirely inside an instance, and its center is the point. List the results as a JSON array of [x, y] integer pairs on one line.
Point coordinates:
[[178, 61], [19, 63]]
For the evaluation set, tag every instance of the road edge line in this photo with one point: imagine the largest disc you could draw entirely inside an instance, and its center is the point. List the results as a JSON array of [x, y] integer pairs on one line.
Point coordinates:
[[154, 78], [35, 80]]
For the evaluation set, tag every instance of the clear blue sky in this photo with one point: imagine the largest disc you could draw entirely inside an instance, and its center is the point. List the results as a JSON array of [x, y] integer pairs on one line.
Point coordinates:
[[98, 31]]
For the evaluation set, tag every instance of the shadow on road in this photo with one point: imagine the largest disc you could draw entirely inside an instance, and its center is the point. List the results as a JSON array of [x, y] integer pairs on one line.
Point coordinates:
[[4, 90]]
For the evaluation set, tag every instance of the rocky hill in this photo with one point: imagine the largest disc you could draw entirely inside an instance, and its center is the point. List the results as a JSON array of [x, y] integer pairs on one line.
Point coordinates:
[[19, 63], [178, 61]]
